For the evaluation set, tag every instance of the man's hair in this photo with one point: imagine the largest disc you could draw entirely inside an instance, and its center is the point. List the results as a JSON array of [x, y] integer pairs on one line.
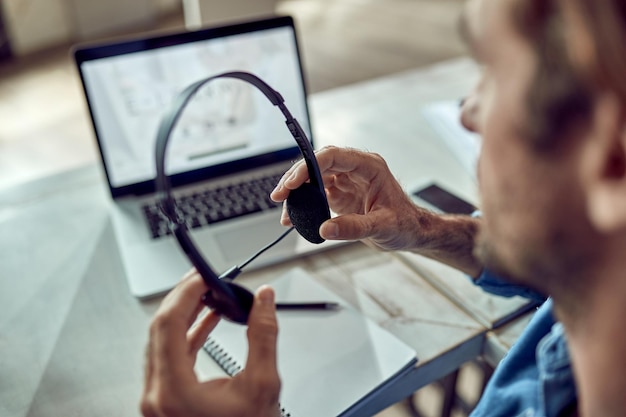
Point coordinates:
[[558, 101], [604, 24]]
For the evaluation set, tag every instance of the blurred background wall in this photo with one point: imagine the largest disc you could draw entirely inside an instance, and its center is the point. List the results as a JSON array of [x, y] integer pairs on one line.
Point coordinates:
[[34, 25]]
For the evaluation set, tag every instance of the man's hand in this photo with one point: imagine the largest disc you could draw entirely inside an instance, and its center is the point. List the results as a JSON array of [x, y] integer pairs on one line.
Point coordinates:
[[372, 207], [171, 386], [370, 203]]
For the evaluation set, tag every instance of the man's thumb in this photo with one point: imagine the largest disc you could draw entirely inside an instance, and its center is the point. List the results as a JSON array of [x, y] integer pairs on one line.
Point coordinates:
[[262, 331]]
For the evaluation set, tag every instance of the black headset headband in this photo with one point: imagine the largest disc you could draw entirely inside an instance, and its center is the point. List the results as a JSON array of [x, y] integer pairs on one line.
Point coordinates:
[[228, 299]]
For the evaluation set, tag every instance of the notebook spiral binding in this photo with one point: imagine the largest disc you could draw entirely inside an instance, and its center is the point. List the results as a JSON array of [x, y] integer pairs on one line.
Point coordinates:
[[228, 364]]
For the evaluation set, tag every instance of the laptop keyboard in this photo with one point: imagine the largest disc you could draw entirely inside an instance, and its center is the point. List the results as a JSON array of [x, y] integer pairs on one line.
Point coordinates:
[[203, 207]]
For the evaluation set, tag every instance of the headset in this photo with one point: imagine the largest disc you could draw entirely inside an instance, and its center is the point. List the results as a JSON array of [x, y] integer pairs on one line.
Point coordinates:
[[307, 205]]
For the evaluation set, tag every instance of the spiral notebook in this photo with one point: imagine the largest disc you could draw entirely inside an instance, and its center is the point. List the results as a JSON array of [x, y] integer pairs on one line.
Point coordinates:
[[331, 362]]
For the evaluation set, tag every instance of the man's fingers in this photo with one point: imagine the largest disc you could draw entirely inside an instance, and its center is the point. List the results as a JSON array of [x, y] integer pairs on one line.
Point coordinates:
[[148, 369], [261, 371], [189, 274], [262, 336], [168, 362], [349, 227], [297, 170], [299, 174], [199, 333], [184, 300], [284, 216], [331, 160], [343, 160], [168, 332]]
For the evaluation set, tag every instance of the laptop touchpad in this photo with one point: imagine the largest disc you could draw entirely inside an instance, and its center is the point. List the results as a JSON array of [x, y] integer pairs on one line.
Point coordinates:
[[239, 244]]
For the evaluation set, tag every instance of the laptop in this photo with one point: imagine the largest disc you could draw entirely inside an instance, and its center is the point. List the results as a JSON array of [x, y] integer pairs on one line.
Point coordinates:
[[230, 144]]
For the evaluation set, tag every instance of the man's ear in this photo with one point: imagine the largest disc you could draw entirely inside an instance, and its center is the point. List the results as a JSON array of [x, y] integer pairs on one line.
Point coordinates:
[[604, 165]]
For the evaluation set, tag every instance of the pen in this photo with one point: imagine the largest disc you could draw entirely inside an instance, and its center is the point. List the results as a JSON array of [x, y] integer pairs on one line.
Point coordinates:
[[323, 305]]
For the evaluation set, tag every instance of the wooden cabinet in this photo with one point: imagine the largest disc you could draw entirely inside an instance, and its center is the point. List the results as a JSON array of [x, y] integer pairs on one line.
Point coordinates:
[[32, 25], [207, 12], [5, 47], [94, 18]]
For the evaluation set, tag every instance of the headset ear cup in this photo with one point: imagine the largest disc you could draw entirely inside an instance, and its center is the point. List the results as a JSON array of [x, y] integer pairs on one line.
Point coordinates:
[[235, 309], [308, 209]]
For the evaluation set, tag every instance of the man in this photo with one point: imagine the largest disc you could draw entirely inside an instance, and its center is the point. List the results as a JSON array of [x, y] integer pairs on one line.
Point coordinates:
[[552, 177]]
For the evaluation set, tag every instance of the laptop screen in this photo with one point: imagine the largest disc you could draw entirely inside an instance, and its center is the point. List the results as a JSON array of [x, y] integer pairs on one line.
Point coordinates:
[[228, 126]]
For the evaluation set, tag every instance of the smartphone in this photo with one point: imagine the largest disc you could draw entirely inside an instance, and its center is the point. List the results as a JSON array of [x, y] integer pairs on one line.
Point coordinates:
[[443, 200]]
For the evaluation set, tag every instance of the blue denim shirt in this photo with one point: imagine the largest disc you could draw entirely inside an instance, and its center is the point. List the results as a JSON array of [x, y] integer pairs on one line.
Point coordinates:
[[535, 377]]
